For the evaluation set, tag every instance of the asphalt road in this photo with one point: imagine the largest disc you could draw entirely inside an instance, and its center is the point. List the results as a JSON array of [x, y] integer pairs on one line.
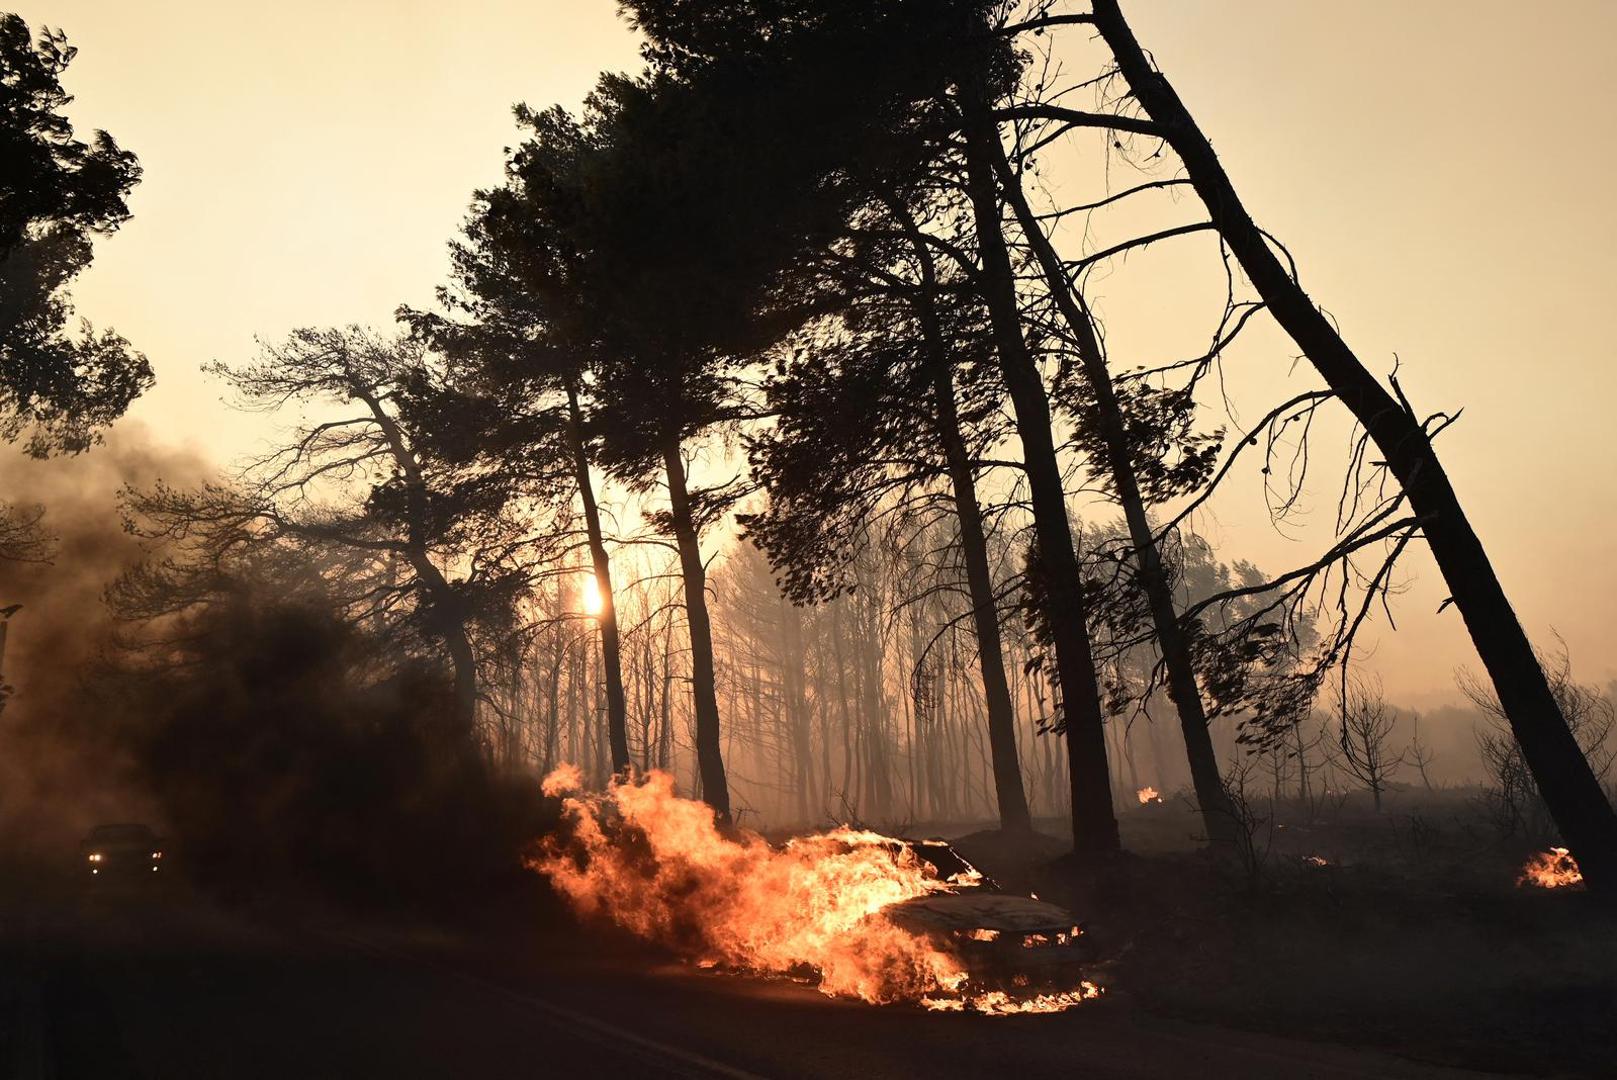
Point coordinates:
[[159, 984]]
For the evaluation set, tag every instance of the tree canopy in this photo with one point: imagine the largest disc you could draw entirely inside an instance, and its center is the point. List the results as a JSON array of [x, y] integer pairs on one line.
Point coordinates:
[[60, 385]]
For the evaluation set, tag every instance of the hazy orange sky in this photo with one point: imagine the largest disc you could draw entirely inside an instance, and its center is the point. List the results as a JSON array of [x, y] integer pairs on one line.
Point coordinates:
[[1439, 169]]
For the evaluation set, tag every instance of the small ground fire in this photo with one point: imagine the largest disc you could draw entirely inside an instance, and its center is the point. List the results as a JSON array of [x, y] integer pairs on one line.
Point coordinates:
[[1148, 795], [1552, 869], [811, 909]]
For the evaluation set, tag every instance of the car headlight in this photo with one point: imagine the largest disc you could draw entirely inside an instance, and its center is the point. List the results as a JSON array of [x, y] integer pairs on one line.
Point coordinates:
[[157, 854], [95, 856]]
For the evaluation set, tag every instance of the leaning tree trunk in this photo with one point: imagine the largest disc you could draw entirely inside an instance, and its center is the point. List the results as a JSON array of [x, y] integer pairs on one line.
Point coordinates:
[[705, 701], [1171, 638], [1094, 823], [1569, 786], [447, 622], [1008, 789], [617, 725], [448, 613]]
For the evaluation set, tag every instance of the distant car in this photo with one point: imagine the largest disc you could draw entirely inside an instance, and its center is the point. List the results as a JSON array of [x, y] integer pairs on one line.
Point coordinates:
[[122, 851], [1004, 941]]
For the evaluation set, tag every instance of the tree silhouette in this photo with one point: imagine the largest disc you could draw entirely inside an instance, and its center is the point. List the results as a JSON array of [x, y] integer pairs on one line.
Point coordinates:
[[415, 543], [1132, 436], [523, 350], [1054, 563], [869, 414], [942, 64], [1569, 786], [666, 222], [1363, 747], [56, 194]]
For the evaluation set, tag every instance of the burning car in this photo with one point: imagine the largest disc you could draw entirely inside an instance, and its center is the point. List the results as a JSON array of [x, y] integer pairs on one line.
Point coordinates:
[[1002, 941], [856, 913]]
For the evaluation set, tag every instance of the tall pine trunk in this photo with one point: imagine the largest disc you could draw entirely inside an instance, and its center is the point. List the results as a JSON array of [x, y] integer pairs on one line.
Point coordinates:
[[617, 725], [1010, 794], [553, 707], [794, 674], [1183, 690], [1094, 825], [1569, 786], [704, 695]]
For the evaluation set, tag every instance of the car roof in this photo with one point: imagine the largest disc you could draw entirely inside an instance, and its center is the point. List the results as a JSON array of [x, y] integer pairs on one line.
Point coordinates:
[[982, 911], [122, 829]]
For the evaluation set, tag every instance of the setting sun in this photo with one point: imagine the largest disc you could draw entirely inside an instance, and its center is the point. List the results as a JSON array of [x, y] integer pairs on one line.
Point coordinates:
[[589, 596]]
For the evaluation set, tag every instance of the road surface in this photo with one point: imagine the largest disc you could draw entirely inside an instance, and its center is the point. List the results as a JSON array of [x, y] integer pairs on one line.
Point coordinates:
[[159, 984]]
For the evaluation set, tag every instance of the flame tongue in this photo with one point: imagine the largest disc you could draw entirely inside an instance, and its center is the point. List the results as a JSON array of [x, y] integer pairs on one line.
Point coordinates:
[[1551, 869], [656, 865]]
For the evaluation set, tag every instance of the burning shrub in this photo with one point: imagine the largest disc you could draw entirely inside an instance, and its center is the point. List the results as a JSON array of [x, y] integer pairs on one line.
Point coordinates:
[[1551, 869]]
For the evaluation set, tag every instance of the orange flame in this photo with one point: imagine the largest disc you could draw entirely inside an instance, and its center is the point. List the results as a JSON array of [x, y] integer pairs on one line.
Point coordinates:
[[1551, 870], [1000, 1003], [656, 865], [1148, 794], [1315, 860]]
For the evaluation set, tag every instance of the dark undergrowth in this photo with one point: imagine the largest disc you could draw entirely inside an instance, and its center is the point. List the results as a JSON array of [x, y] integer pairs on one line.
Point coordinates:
[[1412, 938]]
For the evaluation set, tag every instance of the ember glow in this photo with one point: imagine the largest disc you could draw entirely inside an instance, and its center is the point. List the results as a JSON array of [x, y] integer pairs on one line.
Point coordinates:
[[1551, 869], [1148, 795], [1314, 860], [656, 865], [999, 1003]]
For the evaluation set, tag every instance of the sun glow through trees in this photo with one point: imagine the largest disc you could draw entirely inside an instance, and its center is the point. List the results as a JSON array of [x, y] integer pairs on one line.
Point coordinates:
[[589, 596]]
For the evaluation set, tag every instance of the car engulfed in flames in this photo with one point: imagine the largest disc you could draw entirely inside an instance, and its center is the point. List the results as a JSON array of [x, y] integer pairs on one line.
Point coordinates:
[[1011, 949], [856, 913], [1011, 953]]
